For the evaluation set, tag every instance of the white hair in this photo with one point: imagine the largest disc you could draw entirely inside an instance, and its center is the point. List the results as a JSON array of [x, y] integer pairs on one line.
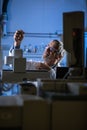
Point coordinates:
[[61, 49]]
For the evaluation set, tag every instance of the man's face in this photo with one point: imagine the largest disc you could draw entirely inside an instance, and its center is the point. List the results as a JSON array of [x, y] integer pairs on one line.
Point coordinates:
[[51, 55]]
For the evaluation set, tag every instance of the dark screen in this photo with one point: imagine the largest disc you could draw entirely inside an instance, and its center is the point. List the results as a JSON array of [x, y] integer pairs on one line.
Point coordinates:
[[61, 72]]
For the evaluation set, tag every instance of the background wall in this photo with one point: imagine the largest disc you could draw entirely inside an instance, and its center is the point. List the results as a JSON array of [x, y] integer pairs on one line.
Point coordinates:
[[38, 16]]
